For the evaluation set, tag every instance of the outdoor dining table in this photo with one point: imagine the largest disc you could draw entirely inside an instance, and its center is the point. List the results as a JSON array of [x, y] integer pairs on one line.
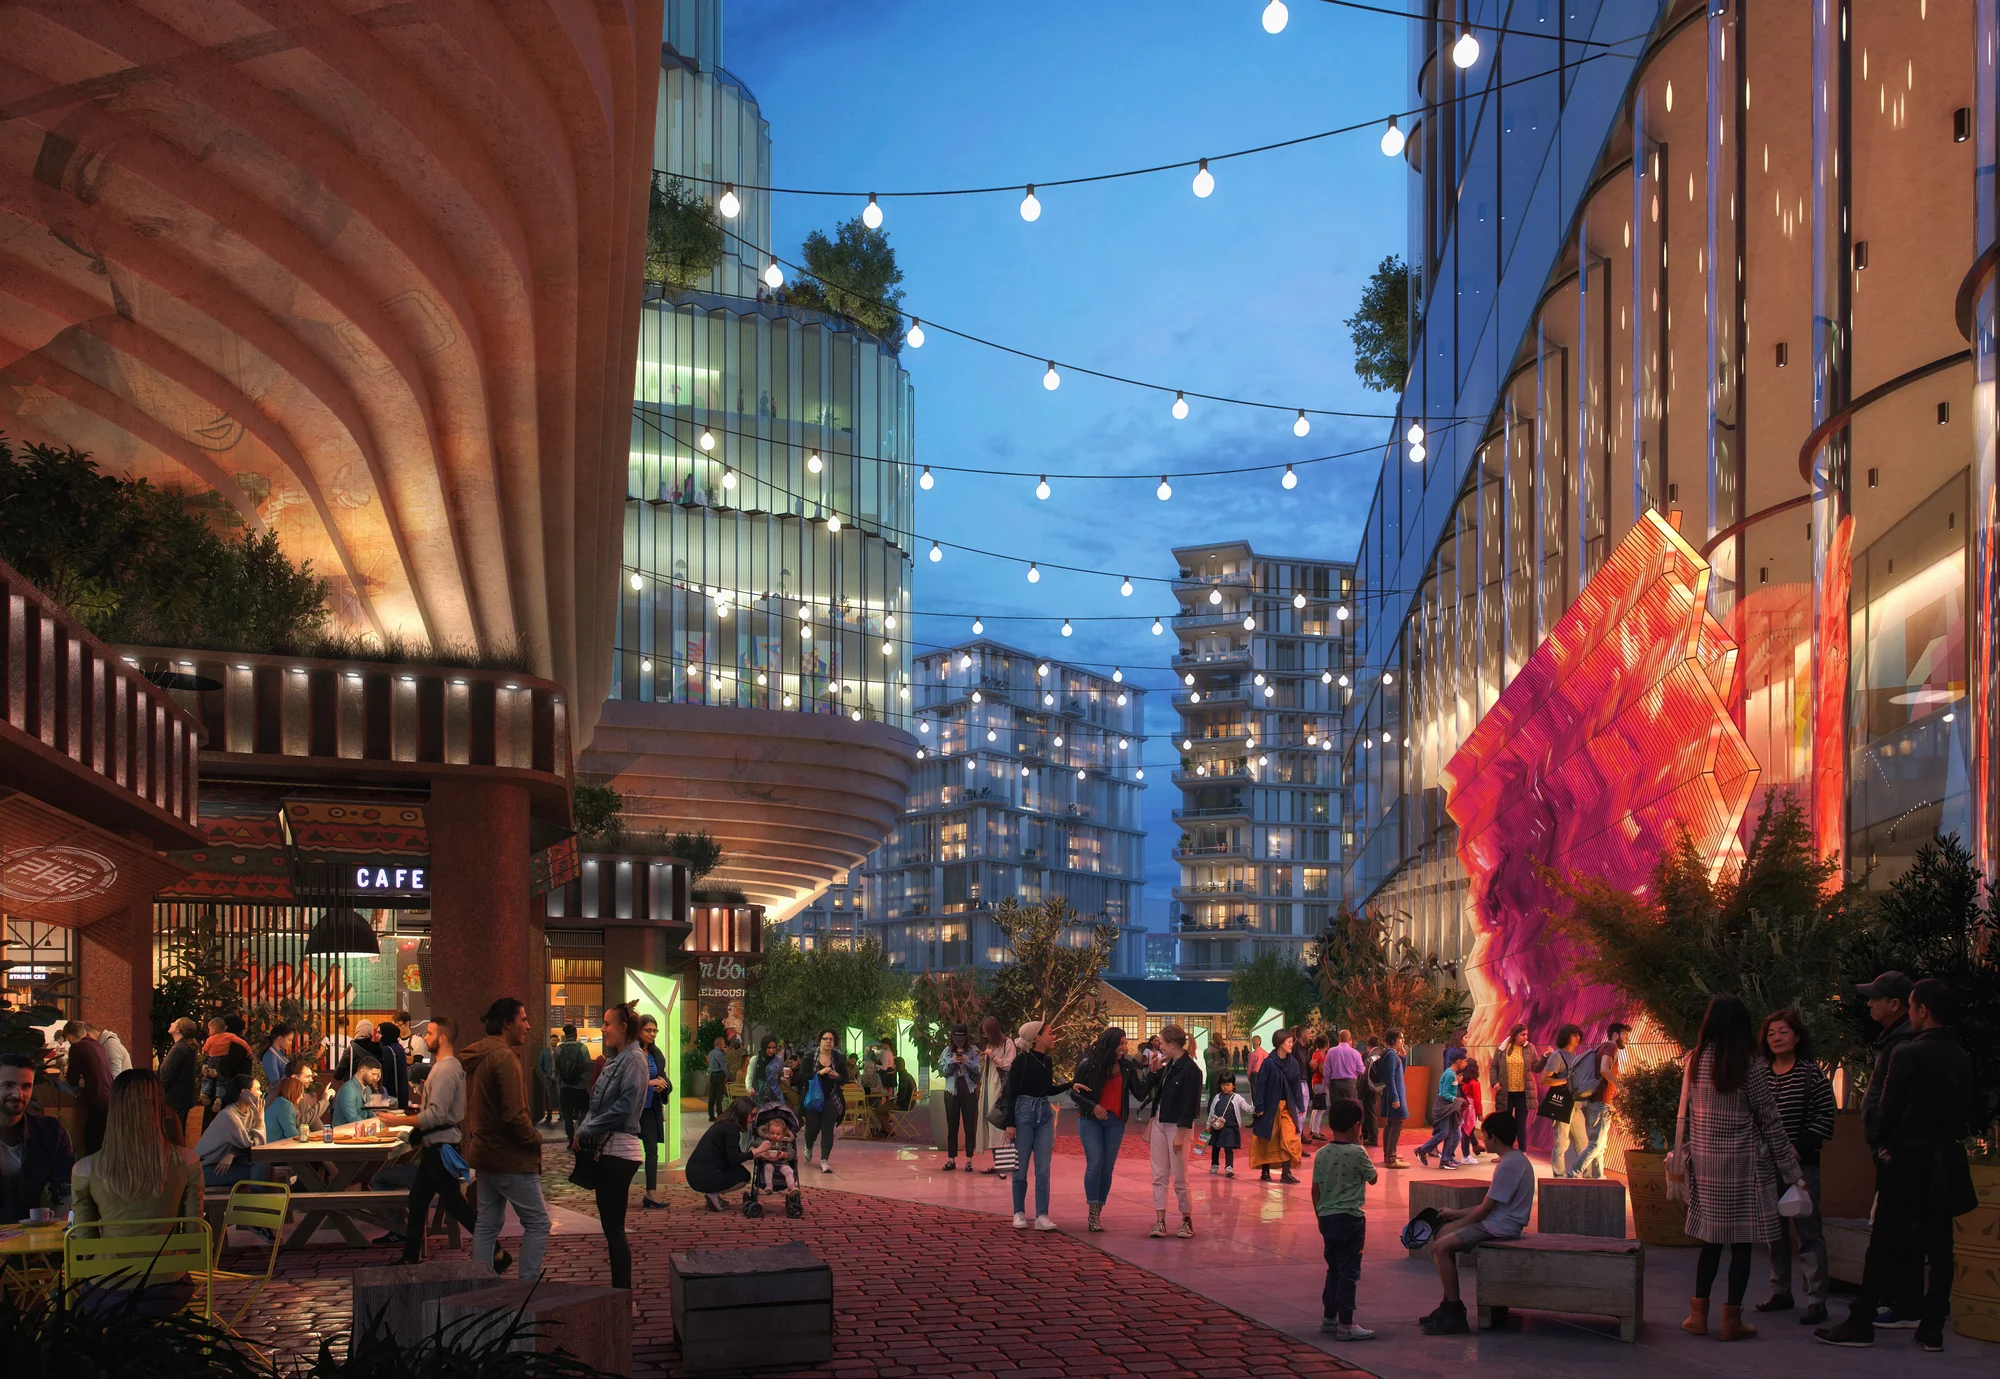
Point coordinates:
[[30, 1259], [343, 1167]]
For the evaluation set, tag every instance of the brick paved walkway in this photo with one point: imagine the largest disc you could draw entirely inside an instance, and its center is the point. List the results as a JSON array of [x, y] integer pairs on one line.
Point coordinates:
[[918, 1290]]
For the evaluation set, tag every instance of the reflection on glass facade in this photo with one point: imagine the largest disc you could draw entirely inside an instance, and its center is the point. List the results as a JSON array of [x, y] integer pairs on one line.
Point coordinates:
[[1264, 666], [769, 494], [1646, 279], [1028, 786]]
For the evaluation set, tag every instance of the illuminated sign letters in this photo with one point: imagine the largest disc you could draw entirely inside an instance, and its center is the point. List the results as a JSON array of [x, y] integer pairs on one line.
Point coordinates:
[[382, 878]]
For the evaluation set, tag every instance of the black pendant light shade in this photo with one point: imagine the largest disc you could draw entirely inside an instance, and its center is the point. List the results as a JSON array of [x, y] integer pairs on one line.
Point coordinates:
[[342, 932]]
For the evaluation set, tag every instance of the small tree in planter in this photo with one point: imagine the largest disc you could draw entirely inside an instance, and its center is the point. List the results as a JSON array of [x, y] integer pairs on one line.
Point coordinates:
[[1648, 1100], [941, 1000], [1049, 979]]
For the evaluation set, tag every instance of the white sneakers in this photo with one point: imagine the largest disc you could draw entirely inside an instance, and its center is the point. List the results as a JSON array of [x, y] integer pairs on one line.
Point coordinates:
[[825, 1167], [1021, 1221], [1043, 1223]]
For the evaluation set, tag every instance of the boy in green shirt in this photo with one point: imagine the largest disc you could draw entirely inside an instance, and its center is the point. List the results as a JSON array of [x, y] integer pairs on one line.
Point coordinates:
[[1342, 1172]]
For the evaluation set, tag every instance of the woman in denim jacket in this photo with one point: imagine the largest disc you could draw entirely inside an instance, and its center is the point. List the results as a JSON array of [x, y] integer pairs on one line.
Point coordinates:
[[610, 1131]]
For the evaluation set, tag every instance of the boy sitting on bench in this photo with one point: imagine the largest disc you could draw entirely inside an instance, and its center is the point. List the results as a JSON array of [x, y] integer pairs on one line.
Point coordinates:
[[1502, 1215]]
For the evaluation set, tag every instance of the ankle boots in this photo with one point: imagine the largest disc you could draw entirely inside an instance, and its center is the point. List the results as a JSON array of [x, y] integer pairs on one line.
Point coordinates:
[[1697, 1318], [1733, 1327]]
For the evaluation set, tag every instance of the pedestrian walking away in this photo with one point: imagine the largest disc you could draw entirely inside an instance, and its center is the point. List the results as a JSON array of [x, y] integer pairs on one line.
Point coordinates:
[[1344, 1068], [502, 1144], [609, 1133], [572, 1082], [958, 1067], [1176, 1103], [1805, 1103], [438, 1131], [1341, 1174], [718, 1078], [1031, 1119]]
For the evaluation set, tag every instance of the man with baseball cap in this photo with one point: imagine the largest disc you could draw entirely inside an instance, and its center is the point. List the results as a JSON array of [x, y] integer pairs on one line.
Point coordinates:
[[1888, 998]]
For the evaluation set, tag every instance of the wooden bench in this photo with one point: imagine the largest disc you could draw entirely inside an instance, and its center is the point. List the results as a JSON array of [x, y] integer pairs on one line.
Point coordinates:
[[1580, 1206], [1442, 1193], [769, 1308], [1586, 1274]]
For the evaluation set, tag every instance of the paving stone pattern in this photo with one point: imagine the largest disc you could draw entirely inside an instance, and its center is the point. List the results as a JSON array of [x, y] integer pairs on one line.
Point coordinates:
[[918, 1290]]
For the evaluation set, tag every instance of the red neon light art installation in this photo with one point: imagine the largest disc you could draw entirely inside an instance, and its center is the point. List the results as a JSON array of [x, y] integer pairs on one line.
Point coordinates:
[[1613, 737]]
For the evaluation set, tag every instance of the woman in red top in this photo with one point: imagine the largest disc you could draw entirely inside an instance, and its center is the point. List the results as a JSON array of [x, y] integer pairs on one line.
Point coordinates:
[[1106, 1077], [1316, 1095]]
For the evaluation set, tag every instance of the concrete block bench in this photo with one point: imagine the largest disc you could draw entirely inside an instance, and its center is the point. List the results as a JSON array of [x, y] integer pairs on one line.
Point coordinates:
[[392, 1297], [1443, 1193], [593, 1324], [1580, 1206], [1584, 1274], [765, 1307]]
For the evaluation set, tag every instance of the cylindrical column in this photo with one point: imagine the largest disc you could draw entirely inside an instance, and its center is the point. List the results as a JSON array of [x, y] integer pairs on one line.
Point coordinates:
[[115, 976], [1725, 294], [1983, 617], [484, 941]]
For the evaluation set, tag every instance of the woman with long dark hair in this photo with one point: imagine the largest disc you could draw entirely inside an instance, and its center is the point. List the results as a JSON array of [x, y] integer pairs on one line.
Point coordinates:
[[767, 1073], [1805, 1103], [1739, 1155], [822, 1104], [1106, 1078], [717, 1164], [996, 1058], [652, 1116]]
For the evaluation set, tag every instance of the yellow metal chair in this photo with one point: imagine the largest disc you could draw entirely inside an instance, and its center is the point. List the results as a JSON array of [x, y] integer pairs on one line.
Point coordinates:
[[252, 1205], [114, 1260]]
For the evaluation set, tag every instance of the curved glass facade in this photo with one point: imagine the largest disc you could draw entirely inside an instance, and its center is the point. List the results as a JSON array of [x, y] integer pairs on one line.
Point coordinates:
[[770, 493], [1649, 278]]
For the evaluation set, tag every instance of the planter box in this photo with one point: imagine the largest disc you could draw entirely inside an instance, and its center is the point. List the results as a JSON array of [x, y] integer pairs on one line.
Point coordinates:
[[765, 1308], [1655, 1219], [1846, 1248], [1975, 1287], [1846, 1170]]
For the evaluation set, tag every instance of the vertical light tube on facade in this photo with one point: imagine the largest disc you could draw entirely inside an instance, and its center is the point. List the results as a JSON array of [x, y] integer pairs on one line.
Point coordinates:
[[1726, 300], [1983, 620]]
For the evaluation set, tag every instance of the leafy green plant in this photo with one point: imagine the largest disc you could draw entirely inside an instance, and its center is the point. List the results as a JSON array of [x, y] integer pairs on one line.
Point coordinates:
[[596, 811], [941, 1000], [795, 993], [1048, 977], [696, 1044], [42, 1336], [197, 954], [1369, 983], [683, 240], [853, 275], [1380, 327], [1649, 1096], [1272, 981]]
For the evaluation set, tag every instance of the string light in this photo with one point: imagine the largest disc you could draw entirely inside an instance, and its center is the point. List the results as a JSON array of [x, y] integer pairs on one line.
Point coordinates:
[[1215, 596], [1157, 629], [1392, 139], [1249, 624], [1118, 675], [937, 553], [1290, 480], [914, 338], [707, 439], [728, 477], [833, 521], [1180, 408], [1034, 573], [1417, 453], [1122, 699], [774, 276], [1341, 613], [1079, 773], [1123, 744], [814, 464], [1066, 627], [637, 583], [1139, 774], [1187, 744], [1298, 600], [1052, 380], [1126, 587], [1031, 209], [1042, 489], [646, 667], [1204, 181], [1276, 16], [1343, 682], [871, 214], [924, 482], [1049, 701], [729, 205], [1465, 52], [1042, 671], [1326, 677], [1188, 679], [978, 627], [1301, 426], [1165, 490], [1387, 678], [1415, 434]]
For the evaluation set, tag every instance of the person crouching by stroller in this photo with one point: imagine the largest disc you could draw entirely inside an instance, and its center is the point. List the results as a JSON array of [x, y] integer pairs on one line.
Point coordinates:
[[1226, 1114], [716, 1165], [775, 1160]]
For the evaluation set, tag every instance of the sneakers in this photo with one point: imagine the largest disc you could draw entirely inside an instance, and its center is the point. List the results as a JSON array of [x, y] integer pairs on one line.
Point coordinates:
[[1159, 1231], [1351, 1332], [1813, 1315], [951, 1165], [1454, 1164], [825, 1167], [1889, 1319], [1229, 1172], [1777, 1302], [1448, 1320], [1186, 1232], [1930, 1341], [1020, 1221], [1043, 1223], [1851, 1333], [1424, 1158], [1214, 1169]]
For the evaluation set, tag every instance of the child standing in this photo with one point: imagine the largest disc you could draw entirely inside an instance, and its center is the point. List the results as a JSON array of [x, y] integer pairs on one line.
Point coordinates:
[[1226, 1114], [1342, 1171]]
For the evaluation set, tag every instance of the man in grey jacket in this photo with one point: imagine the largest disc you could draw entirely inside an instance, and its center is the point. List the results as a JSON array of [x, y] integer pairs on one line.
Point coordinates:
[[438, 1124]]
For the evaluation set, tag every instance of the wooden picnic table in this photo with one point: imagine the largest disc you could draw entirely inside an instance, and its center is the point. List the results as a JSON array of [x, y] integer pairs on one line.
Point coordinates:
[[341, 1167]]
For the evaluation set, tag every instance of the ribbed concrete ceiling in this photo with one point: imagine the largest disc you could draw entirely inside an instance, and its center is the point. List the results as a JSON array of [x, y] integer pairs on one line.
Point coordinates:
[[795, 799], [369, 272]]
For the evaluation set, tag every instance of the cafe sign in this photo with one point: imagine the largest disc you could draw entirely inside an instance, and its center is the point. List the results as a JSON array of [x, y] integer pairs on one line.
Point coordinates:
[[398, 879]]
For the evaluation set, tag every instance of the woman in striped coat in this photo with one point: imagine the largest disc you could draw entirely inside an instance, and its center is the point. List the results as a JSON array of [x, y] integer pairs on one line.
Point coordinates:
[[1739, 1158], [1805, 1101]]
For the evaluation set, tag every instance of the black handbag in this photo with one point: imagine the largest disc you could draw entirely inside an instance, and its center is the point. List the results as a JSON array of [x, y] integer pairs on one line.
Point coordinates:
[[1559, 1101], [583, 1170], [997, 1117]]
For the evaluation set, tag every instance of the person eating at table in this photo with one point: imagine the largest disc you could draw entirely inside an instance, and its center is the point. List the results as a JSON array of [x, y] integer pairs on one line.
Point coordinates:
[[35, 1152], [350, 1103], [226, 1141]]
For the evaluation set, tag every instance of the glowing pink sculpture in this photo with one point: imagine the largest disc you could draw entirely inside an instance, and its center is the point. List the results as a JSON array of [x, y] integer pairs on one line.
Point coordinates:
[[1612, 738]]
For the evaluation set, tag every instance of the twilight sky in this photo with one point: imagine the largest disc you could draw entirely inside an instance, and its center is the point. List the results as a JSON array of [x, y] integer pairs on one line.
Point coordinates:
[[1242, 294]]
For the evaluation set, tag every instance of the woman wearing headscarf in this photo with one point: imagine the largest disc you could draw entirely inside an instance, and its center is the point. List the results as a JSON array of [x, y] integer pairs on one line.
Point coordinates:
[[652, 1116], [1280, 1097], [767, 1073], [996, 1057], [1031, 1118]]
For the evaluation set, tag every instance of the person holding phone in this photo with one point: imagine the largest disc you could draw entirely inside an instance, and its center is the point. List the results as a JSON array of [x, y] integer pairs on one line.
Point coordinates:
[[818, 1079]]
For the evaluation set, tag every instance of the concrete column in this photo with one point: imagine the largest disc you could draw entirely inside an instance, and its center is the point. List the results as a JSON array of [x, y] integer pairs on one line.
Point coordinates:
[[484, 941], [115, 976]]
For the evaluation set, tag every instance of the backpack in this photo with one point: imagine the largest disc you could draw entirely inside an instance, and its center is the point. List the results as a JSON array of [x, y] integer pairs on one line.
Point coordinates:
[[572, 1064], [1378, 1073]]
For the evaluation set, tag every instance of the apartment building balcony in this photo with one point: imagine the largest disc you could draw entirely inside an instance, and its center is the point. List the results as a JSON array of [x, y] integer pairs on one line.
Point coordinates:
[[1241, 924], [1195, 660], [1207, 615], [1210, 815], [1237, 694], [1187, 581], [1208, 890], [1210, 851], [1217, 775]]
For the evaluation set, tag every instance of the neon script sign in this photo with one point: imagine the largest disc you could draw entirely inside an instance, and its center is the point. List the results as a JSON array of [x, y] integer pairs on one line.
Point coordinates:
[[380, 880]]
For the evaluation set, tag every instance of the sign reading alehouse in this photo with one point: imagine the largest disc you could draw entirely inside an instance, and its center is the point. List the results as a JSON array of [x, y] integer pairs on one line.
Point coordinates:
[[722, 988]]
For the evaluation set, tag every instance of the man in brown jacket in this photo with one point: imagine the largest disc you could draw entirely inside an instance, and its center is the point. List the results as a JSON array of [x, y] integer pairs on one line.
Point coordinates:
[[501, 1142]]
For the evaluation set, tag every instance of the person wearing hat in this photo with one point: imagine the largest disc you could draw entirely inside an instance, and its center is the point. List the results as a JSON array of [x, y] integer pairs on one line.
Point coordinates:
[[959, 1068], [1512, 1074], [1031, 1120], [1888, 998]]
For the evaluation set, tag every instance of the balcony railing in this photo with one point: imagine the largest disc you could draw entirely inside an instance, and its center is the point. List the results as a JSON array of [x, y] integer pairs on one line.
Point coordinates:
[[1218, 617], [1189, 580], [1233, 656], [1213, 812], [1187, 924]]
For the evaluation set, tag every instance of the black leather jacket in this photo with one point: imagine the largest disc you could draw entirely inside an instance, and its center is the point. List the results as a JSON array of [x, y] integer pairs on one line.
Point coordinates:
[[1177, 1093], [1092, 1081]]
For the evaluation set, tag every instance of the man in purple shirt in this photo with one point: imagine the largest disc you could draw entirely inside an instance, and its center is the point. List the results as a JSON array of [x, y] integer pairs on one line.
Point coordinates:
[[1343, 1070]]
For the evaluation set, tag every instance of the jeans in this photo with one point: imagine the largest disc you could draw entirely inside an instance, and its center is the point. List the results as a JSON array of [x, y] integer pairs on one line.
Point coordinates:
[[1596, 1139], [242, 1171], [433, 1181], [1907, 1235], [524, 1191], [1811, 1250], [1170, 1165], [820, 1126], [718, 1094], [1035, 1137], [1569, 1144], [1101, 1139], [959, 1110], [1444, 1132], [1343, 1236], [614, 1193]]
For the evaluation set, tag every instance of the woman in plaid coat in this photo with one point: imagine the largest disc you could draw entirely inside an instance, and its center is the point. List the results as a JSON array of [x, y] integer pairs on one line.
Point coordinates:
[[1738, 1153]]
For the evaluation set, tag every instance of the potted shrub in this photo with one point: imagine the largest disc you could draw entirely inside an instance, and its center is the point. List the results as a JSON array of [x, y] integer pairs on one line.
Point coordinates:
[[1648, 1098]]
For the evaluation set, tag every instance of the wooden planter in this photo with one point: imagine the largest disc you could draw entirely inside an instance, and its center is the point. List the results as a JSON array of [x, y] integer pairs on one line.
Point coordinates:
[[1655, 1219], [1975, 1286], [1846, 1171]]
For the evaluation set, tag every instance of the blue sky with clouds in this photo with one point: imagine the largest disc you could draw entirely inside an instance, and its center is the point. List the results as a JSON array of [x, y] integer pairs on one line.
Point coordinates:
[[1242, 294]]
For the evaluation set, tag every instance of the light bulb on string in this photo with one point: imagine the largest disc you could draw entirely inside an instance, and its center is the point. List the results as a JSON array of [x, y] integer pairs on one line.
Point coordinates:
[[1326, 744], [1249, 624], [1204, 180], [1188, 679], [1031, 209], [1122, 699], [1066, 627], [1165, 490], [1034, 573], [1392, 139], [814, 464], [978, 627], [1301, 426], [646, 667], [1343, 682], [1258, 678], [1387, 678], [1042, 489], [1125, 588], [1140, 774], [965, 662], [1157, 629], [1276, 16], [728, 204], [871, 214], [888, 648], [1341, 613], [1465, 52], [1290, 480], [1123, 744], [1215, 596], [914, 338], [936, 554], [728, 477], [1187, 744], [1049, 701], [925, 481], [707, 439], [833, 521], [637, 583], [1415, 435], [774, 276], [889, 621], [1417, 453], [1118, 675], [1042, 671], [1180, 408], [1079, 773], [1298, 600], [1058, 741], [1194, 696], [1326, 677], [1052, 380]]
